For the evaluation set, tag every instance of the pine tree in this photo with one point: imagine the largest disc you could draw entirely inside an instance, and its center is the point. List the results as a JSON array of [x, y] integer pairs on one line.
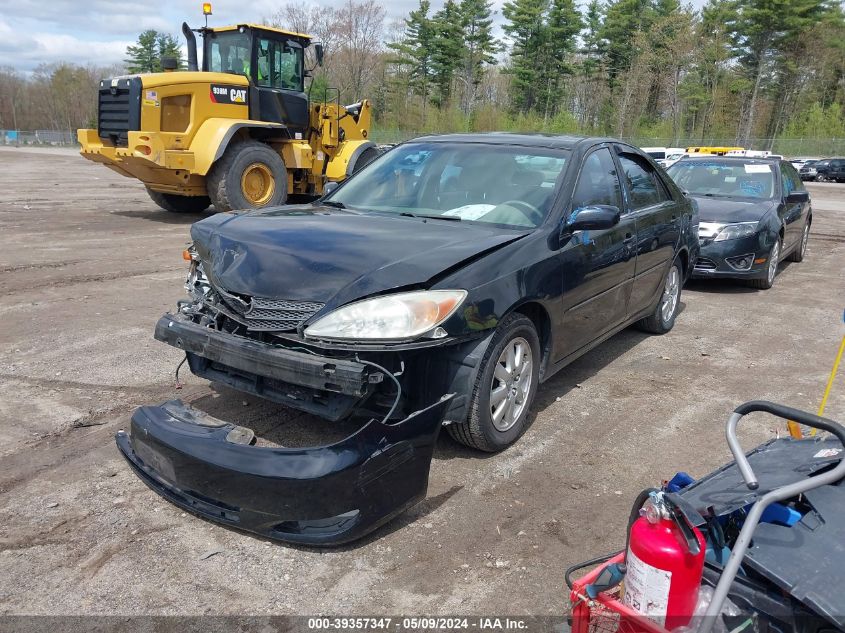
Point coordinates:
[[145, 56], [563, 23], [525, 29], [764, 28], [480, 47], [416, 50], [448, 49]]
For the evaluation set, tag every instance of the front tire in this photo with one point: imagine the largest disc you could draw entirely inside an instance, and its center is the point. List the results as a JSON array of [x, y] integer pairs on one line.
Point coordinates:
[[504, 389], [179, 204], [663, 318], [798, 254], [250, 175], [771, 271]]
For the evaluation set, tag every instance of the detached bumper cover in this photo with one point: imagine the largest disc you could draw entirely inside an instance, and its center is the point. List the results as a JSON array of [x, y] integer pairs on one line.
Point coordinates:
[[325, 495]]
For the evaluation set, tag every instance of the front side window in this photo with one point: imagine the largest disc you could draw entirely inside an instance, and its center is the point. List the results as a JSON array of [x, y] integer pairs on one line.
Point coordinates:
[[643, 182], [597, 182], [725, 178], [228, 52], [279, 64], [790, 180], [494, 184]]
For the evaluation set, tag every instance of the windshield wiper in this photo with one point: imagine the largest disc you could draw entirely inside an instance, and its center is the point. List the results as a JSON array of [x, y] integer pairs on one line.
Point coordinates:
[[451, 218], [333, 203]]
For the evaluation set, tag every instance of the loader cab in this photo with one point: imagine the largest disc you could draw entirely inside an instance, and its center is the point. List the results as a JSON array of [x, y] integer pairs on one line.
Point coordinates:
[[273, 61]]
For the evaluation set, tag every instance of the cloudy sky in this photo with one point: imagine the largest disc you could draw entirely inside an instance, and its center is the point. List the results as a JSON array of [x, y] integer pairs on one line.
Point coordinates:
[[97, 31]]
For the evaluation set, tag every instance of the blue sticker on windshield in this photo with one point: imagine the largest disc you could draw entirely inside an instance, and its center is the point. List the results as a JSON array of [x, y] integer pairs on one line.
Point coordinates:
[[751, 187]]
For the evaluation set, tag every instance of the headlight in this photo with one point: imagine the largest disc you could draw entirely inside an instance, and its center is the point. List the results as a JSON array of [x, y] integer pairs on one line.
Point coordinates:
[[392, 317], [736, 231]]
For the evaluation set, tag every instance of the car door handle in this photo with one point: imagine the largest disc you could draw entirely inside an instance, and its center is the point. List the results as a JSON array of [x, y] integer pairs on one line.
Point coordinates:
[[628, 238]]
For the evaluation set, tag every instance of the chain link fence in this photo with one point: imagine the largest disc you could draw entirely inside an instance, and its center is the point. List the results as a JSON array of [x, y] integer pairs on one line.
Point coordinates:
[[789, 147], [37, 137]]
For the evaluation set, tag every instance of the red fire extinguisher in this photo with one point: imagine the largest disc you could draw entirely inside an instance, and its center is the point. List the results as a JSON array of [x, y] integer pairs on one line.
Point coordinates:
[[664, 564]]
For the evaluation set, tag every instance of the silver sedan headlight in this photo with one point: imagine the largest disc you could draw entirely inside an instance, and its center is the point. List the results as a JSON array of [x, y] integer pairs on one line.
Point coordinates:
[[400, 316]]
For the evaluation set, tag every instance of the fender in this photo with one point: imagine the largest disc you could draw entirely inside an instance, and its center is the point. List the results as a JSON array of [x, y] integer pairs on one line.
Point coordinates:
[[214, 135], [340, 166]]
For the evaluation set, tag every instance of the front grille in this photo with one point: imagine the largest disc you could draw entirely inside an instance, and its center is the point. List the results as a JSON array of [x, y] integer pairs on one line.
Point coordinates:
[[270, 315], [703, 263], [119, 109]]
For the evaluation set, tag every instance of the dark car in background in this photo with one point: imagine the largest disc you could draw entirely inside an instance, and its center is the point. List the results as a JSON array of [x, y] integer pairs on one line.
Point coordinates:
[[808, 171], [753, 213], [834, 171], [470, 266]]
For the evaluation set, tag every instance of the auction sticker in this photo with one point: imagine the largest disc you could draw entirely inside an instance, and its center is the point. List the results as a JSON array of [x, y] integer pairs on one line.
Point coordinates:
[[647, 588]]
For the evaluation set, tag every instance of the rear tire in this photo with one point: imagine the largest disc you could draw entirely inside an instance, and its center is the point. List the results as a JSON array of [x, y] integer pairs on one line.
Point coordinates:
[[364, 159], [250, 175], [179, 204], [488, 427], [798, 254], [772, 270], [663, 318]]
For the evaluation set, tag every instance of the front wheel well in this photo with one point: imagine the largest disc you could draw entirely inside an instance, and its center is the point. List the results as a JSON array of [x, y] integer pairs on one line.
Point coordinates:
[[542, 323]]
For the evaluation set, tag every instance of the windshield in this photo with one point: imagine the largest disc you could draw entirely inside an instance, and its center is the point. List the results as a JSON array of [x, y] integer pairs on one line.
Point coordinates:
[[228, 52], [725, 178], [496, 184]]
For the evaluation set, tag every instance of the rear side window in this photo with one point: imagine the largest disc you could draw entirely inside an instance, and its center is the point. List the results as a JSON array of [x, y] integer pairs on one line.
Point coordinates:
[[597, 182], [642, 181]]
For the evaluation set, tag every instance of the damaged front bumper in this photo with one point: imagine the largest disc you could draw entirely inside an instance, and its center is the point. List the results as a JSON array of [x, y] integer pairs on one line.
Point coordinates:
[[325, 495]]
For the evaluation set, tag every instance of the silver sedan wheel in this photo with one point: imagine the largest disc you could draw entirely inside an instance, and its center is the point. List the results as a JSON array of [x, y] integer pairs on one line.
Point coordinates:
[[773, 262], [511, 384], [671, 292], [805, 238]]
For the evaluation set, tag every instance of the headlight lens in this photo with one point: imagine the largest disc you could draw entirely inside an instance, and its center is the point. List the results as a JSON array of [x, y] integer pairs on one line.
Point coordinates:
[[399, 316], [736, 231]]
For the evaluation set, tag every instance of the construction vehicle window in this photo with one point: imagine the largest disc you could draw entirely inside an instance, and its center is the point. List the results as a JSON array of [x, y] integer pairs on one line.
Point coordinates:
[[229, 53], [279, 66]]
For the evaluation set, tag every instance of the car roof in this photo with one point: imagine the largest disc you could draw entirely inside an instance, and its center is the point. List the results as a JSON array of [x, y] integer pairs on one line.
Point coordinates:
[[527, 140]]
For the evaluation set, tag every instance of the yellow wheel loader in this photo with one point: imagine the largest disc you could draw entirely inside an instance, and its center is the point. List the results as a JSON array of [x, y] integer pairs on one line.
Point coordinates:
[[240, 133]]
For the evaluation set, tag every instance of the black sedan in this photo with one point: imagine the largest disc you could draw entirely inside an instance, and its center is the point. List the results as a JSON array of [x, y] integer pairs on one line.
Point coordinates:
[[754, 213], [442, 283]]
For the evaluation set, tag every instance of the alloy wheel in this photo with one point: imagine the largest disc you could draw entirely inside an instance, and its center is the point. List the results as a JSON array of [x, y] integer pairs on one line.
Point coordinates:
[[511, 384], [773, 262], [671, 292], [805, 238]]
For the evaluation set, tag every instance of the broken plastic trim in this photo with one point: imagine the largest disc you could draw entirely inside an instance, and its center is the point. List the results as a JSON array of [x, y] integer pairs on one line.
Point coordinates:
[[327, 495]]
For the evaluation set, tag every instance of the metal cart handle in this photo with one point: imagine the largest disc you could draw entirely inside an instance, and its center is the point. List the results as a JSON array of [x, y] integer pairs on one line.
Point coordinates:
[[778, 494]]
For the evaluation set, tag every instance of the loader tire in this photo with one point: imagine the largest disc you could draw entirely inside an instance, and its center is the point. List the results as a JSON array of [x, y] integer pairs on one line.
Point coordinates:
[[364, 159], [179, 204], [250, 175]]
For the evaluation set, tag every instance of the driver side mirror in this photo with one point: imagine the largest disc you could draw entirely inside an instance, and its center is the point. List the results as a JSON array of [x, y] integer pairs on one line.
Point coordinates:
[[329, 187], [594, 218], [318, 53], [796, 197]]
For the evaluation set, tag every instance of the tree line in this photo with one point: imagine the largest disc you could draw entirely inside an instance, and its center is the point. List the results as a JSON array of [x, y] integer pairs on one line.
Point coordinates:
[[733, 70]]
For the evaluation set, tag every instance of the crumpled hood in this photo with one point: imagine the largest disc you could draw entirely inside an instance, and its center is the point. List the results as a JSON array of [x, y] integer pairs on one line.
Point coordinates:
[[313, 253], [731, 210]]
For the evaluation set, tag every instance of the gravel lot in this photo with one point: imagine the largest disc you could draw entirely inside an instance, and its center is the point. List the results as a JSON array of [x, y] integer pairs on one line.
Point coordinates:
[[87, 265]]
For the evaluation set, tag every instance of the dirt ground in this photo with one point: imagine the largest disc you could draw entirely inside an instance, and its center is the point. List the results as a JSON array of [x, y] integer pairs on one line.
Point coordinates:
[[87, 265]]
